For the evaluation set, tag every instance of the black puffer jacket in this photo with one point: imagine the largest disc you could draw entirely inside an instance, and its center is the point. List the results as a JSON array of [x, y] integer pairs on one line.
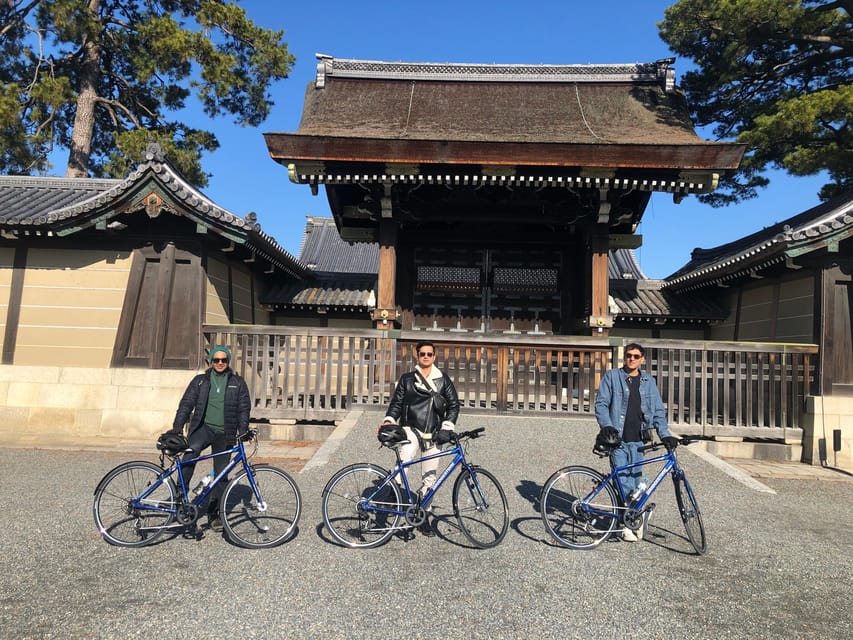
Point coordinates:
[[411, 406], [238, 405]]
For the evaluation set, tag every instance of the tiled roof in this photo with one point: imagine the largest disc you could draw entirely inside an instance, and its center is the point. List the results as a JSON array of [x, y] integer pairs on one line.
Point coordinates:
[[622, 264], [323, 249], [330, 290], [645, 300], [25, 197], [66, 205], [829, 222]]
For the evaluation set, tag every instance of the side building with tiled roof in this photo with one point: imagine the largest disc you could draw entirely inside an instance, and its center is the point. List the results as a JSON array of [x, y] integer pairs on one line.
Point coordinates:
[[100, 273], [791, 282]]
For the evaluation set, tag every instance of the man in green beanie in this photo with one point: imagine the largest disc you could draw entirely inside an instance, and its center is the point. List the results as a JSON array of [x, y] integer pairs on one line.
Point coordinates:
[[217, 405]]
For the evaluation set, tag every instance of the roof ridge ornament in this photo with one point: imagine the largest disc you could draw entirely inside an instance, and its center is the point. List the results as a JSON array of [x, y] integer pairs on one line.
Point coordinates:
[[154, 152], [659, 72]]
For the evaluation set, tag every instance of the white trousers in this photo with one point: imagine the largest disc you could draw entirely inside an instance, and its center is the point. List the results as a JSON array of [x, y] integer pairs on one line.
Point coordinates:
[[413, 451]]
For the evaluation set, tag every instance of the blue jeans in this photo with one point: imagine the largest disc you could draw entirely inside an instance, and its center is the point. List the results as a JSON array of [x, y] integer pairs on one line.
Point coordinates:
[[628, 454]]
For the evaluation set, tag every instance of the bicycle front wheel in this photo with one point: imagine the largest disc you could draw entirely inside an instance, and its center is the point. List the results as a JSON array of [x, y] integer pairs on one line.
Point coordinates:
[[570, 520], [358, 510], [480, 506], [121, 522], [690, 515], [258, 525]]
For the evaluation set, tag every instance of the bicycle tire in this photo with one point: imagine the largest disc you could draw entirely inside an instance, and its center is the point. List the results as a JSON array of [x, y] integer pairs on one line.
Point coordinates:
[[559, 505], [250, 525], [344, 497], [690, 514], [117, 520], [480, 506]]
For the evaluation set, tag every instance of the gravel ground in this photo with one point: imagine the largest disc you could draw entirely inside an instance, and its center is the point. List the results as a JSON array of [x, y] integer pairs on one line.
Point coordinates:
[[778, 566]]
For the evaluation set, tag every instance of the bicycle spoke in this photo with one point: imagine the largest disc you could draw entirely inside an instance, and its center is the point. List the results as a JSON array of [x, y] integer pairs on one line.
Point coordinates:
[[480, 507], [358, 509], [255, 525], [571, 521], [121, 522], [690, 514]]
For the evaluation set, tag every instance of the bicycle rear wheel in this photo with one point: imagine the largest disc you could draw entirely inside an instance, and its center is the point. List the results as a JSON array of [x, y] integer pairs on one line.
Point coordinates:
[[118, 520], [356, 512], [255, 525], [567, 517], [480, 506], [690, 515]]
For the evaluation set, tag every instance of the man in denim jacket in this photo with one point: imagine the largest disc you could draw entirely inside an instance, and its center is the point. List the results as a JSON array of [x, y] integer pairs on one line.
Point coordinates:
[[628, 401]]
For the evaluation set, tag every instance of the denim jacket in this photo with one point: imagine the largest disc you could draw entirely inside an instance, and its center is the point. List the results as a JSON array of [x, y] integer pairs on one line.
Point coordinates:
[[611, 402]]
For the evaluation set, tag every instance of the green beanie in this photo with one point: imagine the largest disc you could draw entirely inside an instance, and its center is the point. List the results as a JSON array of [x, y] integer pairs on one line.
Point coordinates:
[[220, 348]]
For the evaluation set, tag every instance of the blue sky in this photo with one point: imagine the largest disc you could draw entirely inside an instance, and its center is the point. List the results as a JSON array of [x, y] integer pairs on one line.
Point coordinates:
[[495, 31]]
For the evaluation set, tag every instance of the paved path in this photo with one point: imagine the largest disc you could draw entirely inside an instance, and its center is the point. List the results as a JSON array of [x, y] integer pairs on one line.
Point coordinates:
[[779, 564]]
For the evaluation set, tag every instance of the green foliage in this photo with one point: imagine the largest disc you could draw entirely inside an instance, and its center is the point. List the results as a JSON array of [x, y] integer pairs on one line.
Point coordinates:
[[774, 74], [150, 58]]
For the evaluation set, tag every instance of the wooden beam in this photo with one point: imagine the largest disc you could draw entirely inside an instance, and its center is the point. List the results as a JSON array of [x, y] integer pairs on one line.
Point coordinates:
[[287, 148]]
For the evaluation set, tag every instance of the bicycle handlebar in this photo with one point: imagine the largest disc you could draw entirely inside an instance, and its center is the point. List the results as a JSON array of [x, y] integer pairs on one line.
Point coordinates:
[[247, 435], [473, 433], [455, 438], [657, 445]]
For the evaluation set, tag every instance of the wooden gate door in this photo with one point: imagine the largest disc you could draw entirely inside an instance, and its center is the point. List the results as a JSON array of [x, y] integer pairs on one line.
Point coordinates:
[[160, 326]]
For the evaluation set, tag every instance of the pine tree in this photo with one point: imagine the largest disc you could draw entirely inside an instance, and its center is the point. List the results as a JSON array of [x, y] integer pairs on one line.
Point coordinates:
[[103, 78], [774, 74]]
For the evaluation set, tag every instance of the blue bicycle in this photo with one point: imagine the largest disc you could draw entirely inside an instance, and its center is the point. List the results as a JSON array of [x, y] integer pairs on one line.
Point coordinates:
[[581, 508], [138, 501], [364, 504]]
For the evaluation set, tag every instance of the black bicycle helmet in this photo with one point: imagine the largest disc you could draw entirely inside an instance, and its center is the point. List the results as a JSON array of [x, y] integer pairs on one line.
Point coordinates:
[[171, 443], [606, 441], [391, 434]]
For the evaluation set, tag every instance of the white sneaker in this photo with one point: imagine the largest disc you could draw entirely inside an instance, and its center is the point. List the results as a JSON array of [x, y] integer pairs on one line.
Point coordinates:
[[628, 535], [642, 530]]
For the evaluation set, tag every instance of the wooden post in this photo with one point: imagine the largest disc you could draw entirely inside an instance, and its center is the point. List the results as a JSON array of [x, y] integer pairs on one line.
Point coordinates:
[[600, 320], [385, 314]]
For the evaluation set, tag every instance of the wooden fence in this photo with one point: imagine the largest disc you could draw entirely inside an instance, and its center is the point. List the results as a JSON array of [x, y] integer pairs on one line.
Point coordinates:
[[709, 388]]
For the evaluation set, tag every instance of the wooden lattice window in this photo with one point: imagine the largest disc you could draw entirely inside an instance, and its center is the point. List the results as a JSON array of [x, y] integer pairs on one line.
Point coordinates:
[[525, 280], [448, 278]]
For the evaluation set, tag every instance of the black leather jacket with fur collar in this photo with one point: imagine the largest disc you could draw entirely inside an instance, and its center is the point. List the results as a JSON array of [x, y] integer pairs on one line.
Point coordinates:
[[412, 405]]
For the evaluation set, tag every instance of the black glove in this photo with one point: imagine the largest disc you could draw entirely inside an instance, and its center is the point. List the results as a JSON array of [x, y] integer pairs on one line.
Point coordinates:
[[670, 442], [443, 436], [608, 433]]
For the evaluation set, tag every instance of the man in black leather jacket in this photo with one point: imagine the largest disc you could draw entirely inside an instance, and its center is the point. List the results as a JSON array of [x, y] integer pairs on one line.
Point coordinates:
[[425, 404], [217, 405]]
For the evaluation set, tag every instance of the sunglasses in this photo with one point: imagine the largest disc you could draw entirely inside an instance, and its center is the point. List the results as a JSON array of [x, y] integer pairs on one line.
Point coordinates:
[[425, 354], [633, 356], [220, 361]]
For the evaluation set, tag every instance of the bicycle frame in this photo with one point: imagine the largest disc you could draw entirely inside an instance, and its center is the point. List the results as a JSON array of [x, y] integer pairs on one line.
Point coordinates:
[[177, 466], [458, 453], [670, 468]]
